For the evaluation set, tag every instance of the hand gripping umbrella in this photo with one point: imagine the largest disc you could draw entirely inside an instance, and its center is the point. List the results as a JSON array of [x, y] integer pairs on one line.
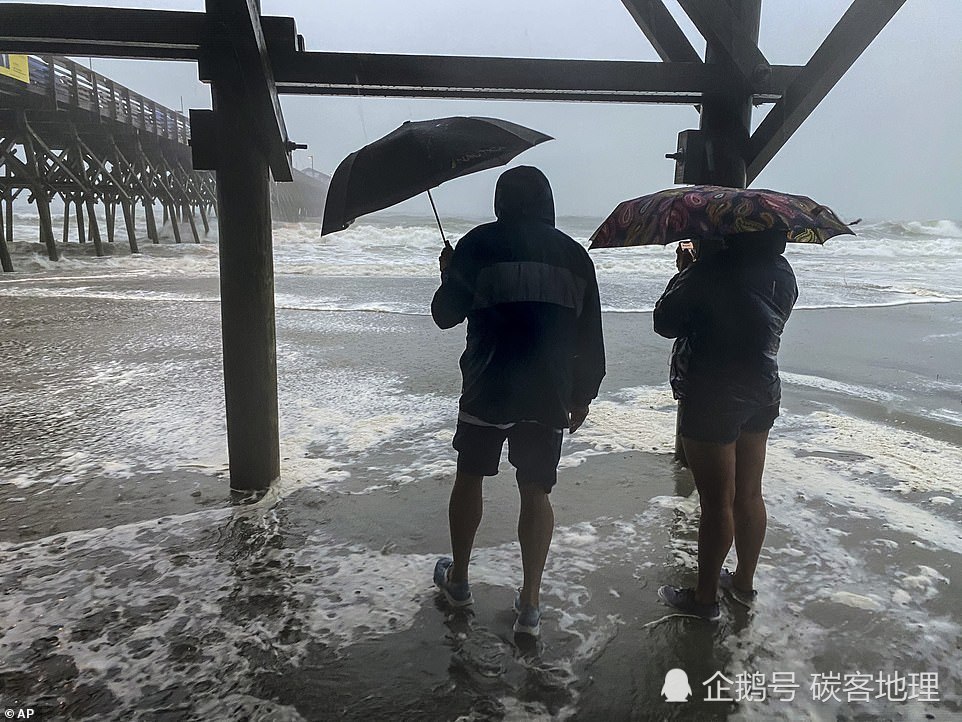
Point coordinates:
[[705, 211], [417, 157]]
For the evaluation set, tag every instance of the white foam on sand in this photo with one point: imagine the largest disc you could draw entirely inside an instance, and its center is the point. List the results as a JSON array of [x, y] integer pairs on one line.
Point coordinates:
[[633, 419], [90, 292], [861, 448], [330, 415], [839, 387], [125, 602]]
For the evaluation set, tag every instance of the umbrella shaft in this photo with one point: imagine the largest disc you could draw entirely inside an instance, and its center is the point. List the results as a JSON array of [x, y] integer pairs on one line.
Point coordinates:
[[437, 217]]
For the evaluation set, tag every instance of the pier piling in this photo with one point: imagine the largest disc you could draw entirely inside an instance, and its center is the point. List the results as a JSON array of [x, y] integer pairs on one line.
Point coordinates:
[[247, 294]]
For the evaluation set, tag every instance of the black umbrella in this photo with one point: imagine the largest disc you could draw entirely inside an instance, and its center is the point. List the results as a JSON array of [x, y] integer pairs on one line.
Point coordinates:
[[417, 157]]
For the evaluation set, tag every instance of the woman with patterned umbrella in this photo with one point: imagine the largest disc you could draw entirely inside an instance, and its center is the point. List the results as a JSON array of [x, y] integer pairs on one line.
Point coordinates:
[[726, 310]]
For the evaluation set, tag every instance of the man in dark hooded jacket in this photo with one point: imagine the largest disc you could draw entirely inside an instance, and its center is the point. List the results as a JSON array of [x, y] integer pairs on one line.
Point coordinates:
[[533, 362]]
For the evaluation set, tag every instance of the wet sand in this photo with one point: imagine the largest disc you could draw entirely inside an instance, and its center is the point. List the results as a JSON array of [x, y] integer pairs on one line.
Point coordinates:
[[134, 589]]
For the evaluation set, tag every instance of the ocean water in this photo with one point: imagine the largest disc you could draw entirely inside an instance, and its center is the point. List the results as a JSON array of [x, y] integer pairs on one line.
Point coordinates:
[[887, 263], [134, 590]]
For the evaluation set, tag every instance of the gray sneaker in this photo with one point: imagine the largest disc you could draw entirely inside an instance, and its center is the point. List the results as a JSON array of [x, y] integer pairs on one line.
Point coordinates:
[[529, 618], [684, 601], [726, 581], [458, 594]]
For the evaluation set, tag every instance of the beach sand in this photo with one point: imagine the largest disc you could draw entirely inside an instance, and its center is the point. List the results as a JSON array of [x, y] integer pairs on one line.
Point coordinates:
[[133, 588]]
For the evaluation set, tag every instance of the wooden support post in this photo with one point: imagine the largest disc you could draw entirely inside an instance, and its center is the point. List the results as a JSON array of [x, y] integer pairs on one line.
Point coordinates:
[[151, 221], [46, 226], [166, 214], [202, 207], [42, 199], [5, 261], [9, 202], [128, 209], [246, 292], [110, 218], [193, 225], [94, 227], [66, 220], [81, 228], [726, 120], [174, 224], [43, 202]]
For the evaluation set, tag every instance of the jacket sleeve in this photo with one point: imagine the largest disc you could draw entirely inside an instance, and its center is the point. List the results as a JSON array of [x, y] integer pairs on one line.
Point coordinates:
[[589, 360], [453, 299], [673, 312]]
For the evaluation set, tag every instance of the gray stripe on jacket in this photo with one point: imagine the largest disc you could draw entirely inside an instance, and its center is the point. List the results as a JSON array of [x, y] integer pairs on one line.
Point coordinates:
[[528, 281]]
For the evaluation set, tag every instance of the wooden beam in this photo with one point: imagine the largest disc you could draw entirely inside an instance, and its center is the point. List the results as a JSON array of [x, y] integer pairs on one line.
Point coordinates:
[[382, 74], [854, 32], [100, 31], [662, 31], [117, 32], [121, 32], [724, 31]]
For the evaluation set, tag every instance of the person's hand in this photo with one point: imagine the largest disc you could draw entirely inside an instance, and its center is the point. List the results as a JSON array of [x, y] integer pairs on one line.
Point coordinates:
[[684, 256], [444, 260], [576, 418]]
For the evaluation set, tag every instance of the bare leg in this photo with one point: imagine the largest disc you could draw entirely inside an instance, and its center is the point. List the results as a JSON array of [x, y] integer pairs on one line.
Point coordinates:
[[748, 509], [535, 527], [713, 467], [464, 517]]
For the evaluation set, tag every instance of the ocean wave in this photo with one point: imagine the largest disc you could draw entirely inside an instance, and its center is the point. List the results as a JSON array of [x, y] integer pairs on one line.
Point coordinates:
[[913, 229]]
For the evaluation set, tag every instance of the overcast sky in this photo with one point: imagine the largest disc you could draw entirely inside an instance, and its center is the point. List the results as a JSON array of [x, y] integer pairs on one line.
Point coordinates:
[[884, 143]]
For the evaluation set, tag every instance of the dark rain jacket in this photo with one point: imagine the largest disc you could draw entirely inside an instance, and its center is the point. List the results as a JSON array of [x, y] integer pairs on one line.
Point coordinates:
[[727, 313], [534, 345]]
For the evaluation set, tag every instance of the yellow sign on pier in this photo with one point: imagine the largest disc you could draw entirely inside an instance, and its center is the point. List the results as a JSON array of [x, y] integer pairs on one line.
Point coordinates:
[[15, 66]]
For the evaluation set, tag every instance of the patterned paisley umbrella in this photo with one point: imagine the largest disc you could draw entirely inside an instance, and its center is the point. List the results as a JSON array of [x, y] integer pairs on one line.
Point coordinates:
[[705, 211]]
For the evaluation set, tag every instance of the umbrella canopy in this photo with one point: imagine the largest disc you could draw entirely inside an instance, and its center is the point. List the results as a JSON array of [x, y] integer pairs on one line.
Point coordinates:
[[417, 157], [705, 211]]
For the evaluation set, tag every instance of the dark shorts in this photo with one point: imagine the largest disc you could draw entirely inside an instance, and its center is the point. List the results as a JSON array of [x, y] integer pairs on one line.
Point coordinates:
[[704, 421], [533, 449]]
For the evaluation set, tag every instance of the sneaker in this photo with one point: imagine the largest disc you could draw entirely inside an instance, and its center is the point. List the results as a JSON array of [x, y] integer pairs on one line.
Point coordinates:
[[458, 594], [684, 601], [726, 580], [529, 618], [528, 621]]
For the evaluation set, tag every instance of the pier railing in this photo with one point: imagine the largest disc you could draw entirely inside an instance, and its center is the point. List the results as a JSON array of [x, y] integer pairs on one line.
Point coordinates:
[[67, 83]]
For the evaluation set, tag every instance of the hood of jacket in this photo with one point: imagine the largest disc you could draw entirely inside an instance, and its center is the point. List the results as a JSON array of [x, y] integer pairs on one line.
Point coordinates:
[[523, 193]]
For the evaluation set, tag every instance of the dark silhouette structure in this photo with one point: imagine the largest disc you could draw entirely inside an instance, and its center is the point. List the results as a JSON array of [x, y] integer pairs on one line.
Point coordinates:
[[249, 59], [303, 199]]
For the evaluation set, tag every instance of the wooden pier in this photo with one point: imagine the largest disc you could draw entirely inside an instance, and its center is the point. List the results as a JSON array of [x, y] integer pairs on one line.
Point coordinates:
[[68, 132]]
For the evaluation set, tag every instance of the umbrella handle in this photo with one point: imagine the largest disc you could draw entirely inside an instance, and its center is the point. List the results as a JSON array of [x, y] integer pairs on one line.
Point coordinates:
[[438, 219]]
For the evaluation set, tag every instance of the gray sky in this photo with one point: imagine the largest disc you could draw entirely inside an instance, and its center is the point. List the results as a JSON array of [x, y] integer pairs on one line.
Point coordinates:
[[880, 145]]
